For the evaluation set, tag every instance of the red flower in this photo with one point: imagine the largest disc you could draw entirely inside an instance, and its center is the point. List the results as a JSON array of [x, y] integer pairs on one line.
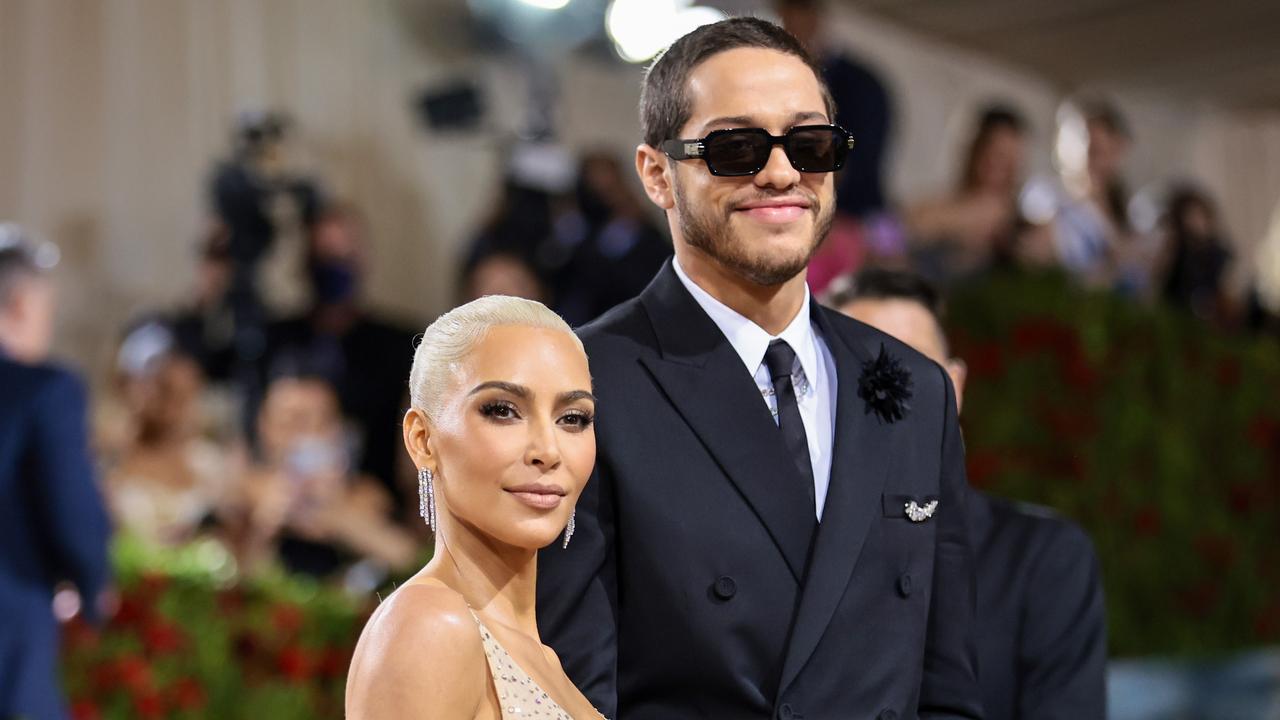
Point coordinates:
[[985, 361], [230, 601], [1200, 599], [188, 694], [162, 637], [287, 618], [133, 673], [333, 661], [294, 663], [149, 705], [1264, 433], [1228, 373], [1218, 551], [983, 466], [103, 678], [85, 710], [1147, 522], [133, 610], [152, 585]]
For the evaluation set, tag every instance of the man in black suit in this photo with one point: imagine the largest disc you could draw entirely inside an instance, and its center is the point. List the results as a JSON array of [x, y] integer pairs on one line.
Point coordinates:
[[1042, 640], [52, 523], [776, 524]]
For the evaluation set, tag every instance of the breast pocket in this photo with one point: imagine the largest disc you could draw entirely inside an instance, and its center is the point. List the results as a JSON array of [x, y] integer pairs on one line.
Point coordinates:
[[912, 508]]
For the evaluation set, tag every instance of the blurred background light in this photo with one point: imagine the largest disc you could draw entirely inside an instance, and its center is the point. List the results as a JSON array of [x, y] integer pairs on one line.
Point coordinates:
[[546, 4], [640, 29]]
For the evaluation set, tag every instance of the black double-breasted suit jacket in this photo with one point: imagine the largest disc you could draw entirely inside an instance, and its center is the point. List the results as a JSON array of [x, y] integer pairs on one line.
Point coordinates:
[[698, 583]]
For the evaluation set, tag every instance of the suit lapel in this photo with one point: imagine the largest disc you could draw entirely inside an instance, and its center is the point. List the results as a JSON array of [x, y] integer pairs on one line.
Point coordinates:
[[860, 453], [707, 383]]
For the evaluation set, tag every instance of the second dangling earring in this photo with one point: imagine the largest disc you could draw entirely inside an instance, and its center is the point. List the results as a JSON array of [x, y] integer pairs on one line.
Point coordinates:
[[568, 529], [427, 498]]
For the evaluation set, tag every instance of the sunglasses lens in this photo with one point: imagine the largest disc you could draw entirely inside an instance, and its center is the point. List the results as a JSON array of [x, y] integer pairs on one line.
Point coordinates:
[[737, 153], [817, 149]]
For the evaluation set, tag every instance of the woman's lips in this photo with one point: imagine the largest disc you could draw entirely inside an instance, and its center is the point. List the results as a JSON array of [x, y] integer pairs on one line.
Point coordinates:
[[537, 497]]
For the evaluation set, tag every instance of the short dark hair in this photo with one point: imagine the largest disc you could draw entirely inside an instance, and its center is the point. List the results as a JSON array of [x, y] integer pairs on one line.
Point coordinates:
[[886, 284], [664, 98]]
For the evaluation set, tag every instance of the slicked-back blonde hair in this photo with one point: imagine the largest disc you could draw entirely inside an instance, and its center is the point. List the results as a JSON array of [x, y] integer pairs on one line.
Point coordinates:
[[447, 342]]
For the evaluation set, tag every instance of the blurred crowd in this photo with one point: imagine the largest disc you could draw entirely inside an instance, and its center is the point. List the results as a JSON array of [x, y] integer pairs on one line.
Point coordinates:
[[278, 433]]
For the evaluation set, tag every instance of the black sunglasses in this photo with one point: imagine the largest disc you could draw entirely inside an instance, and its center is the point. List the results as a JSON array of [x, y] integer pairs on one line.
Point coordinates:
[[745, 151]]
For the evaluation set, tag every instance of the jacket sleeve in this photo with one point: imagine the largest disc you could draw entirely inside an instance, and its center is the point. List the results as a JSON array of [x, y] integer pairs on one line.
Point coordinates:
[[69, 506], [1062, 653], [949, 688], [578, 595]]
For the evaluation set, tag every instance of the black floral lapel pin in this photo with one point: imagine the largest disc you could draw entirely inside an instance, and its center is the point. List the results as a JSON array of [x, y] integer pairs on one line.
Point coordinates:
[[885, 385]]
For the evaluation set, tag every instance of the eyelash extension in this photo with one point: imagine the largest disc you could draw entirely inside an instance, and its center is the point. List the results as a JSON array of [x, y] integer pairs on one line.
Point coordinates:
[[586, 419], [490, 409]]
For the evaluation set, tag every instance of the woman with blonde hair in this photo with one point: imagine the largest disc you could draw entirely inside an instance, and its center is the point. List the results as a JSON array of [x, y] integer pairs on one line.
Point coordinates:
[[500, 430]]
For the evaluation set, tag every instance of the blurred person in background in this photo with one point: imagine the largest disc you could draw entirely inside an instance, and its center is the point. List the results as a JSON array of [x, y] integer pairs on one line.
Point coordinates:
[[501, 273], [865, 230], [364, 355], [1040, 612], [53, 526], [304, 503], [1196, 256], [977, 226], [167, 481], [616, 248], [205, 327], [863, 107], [1095, 240]]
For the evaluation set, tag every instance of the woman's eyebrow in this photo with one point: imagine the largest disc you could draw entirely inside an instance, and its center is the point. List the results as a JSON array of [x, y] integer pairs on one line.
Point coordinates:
[[517, 390], [565, 398]]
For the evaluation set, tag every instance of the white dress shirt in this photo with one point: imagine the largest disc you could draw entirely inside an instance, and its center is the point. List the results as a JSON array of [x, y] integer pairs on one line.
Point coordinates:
[[813, 376]]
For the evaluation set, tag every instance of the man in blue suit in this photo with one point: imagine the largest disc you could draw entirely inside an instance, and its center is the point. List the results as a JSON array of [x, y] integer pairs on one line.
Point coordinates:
[[1042, 638], [53, 526]]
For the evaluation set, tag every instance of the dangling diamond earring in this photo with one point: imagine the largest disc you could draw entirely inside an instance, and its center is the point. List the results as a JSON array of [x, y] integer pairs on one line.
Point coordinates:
[[427, 498], [568, 529]]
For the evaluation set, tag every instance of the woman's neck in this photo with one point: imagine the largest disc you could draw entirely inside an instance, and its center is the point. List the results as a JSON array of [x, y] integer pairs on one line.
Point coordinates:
[[499, 580]]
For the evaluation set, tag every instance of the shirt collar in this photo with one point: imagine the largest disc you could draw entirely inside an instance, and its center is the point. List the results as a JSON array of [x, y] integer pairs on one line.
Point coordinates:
[[750, 340]]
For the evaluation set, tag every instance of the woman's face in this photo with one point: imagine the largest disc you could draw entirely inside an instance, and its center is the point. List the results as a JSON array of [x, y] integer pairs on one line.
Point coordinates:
[[513, 444], [999, 163]]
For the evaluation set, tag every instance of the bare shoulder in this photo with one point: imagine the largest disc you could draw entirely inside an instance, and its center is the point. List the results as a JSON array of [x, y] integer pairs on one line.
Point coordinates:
[[420, 655]]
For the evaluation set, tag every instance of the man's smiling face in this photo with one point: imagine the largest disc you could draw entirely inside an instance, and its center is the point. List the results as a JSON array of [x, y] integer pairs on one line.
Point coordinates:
[[763, 227]]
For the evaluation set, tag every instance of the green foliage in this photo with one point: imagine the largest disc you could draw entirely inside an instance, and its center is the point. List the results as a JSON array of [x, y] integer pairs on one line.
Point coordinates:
[[1158, 434], [188, 642]]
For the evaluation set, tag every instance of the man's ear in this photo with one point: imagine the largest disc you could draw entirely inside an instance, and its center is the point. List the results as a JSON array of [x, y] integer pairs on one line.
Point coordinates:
[[654, 168]]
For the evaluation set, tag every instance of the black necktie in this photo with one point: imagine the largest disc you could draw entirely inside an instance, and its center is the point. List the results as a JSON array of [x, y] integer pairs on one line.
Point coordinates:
[[780, 359]]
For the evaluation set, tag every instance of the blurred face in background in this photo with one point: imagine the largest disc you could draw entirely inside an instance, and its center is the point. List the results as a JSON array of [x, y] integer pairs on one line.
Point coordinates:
[[301, 435], [998, 163], [913, 324], [513, 444], [27, 318], [502, 274], [297, 411], [1107, 151], [336, 257], [164, 399], [762, 228]]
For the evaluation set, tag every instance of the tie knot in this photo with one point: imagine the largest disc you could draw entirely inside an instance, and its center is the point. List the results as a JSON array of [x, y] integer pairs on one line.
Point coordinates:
[[780, 359]]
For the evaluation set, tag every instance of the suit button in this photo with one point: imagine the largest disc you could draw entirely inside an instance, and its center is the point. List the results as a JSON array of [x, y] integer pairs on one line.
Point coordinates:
[[904, 586], [724, 587], [887, 715], [785, 712]]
